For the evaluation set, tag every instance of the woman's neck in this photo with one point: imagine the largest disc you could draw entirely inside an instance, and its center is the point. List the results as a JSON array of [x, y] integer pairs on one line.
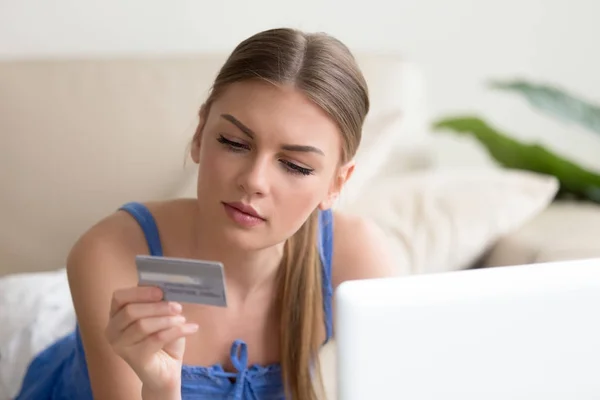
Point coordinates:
[[247, 272]]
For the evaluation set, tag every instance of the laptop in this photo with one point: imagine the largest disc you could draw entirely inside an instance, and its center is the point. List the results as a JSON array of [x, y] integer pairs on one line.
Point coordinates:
[[520, 332]]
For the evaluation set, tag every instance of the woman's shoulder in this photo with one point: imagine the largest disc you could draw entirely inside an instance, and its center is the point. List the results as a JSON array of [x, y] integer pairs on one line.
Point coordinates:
[[360, 249], [112, 238], [120, 235]]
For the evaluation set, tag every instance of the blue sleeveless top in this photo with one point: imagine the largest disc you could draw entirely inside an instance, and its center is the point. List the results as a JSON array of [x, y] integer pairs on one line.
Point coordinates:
[[60, 372]]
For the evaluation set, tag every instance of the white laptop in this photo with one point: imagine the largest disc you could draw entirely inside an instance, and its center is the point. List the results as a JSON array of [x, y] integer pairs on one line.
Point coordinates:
[[507, 333]]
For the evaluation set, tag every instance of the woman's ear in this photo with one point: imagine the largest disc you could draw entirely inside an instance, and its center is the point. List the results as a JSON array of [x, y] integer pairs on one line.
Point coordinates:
[[195, 150], [344, 173]]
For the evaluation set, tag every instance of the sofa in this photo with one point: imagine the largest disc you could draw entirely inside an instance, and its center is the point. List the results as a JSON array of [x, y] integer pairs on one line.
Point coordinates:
[[80, 137]]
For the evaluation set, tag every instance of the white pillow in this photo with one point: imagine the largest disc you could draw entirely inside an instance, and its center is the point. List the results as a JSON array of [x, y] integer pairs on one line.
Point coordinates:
[[444, 220], [35, 310]]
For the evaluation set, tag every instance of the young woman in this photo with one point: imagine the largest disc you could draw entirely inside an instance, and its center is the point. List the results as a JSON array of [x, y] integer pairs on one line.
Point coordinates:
[[274, 148]]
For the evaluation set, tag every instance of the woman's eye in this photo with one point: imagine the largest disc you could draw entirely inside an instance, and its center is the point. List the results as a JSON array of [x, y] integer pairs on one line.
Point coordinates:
[[296, 169], [240, 147], [231, 145]]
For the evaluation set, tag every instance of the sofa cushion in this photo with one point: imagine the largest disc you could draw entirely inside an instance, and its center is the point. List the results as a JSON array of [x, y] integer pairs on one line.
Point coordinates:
[[565, 230], [445, 220]]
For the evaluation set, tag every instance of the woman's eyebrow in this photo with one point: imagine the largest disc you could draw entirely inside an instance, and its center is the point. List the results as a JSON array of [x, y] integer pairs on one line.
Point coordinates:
[[288, 147], [302, 148], [237, 123]]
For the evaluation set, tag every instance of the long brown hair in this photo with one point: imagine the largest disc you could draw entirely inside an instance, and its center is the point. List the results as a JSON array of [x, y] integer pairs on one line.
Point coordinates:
[[326, 72]]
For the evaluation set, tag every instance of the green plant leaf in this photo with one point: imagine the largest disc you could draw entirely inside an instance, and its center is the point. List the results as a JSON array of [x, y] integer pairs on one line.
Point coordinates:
[[555, 102], [510, 153]]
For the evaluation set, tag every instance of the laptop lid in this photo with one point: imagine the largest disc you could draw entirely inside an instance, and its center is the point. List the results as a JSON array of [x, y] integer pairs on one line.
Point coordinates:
[[520, 332]]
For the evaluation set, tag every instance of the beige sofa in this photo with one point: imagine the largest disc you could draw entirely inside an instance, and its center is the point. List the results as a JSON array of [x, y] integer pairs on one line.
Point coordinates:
[[81, 137]]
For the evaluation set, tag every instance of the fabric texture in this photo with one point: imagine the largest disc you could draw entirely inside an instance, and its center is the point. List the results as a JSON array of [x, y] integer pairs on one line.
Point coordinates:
[[60, 371]]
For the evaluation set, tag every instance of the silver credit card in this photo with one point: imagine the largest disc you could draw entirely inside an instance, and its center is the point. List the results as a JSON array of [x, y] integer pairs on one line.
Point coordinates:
[[184, 280]]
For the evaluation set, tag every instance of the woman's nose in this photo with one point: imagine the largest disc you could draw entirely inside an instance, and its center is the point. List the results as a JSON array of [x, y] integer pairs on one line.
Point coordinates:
[[254, 180]]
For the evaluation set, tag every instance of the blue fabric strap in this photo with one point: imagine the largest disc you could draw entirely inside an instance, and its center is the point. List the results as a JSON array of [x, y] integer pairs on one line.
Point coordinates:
[[146, 221], [239, 355], [326, 253]]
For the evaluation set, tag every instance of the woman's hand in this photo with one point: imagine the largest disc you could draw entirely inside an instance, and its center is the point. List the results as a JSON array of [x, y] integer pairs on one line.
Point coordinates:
[[149, 334]]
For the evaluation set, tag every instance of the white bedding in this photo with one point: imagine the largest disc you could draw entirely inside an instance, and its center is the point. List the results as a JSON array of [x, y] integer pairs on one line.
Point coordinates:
[[35, 310]]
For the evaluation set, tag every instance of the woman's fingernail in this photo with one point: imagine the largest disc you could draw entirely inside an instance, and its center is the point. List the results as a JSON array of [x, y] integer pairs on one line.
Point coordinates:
[[175, 307], [192, 327]]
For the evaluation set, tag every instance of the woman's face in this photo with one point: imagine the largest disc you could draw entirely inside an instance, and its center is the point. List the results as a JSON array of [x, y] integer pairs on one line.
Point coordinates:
[[265, 150]]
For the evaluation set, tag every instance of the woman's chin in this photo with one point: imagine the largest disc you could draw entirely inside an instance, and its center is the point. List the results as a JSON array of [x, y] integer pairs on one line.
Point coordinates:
[[245, 241]]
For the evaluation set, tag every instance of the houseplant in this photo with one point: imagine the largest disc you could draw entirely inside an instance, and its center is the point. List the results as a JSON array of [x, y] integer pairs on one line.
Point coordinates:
[[575, 181]]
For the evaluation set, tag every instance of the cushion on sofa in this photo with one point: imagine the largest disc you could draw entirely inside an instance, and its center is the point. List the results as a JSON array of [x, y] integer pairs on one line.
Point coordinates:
[[445, 220], [565, 230]]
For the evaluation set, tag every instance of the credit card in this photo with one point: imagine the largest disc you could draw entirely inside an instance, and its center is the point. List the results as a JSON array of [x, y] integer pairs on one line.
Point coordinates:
[[184, 280]]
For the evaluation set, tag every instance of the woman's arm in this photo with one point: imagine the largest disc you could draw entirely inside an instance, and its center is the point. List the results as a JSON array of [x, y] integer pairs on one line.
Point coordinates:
[[360, 250], [102, 261]]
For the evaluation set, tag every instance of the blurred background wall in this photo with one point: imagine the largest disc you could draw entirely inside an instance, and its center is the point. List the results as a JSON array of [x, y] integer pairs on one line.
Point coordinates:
[[459, 45]]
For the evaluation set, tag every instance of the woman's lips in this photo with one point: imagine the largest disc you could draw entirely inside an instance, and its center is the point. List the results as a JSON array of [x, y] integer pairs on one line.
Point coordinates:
[[242, 214]]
